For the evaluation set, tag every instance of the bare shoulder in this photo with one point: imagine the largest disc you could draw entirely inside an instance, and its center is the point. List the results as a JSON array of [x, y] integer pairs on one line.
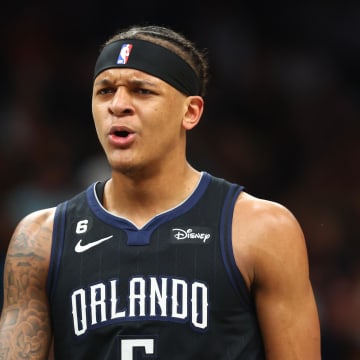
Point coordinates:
[[265, 212], [29, 250], [266, 236], [32, 235]]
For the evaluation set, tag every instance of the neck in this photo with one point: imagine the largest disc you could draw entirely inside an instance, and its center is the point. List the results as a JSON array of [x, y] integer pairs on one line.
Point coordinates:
[[139, 199]]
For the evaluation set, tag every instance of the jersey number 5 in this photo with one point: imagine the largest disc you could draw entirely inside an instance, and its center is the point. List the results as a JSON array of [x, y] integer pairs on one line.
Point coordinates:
[[128, 346]]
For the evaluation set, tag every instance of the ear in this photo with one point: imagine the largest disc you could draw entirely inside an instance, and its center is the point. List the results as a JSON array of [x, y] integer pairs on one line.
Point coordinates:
[[195, 108]]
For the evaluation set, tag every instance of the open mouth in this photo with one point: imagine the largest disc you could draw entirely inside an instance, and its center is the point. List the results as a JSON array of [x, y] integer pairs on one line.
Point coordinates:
[[122, 133]]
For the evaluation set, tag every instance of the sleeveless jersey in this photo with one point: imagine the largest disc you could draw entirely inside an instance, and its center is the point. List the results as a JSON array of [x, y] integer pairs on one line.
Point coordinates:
[[169, 290]]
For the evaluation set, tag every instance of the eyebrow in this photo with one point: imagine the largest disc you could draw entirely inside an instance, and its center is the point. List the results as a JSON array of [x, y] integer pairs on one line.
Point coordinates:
[[134, 82], [137, 82], [102, 82]]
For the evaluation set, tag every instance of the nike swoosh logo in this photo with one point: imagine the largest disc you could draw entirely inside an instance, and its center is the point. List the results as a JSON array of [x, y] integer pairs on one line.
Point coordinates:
[[79, 248]]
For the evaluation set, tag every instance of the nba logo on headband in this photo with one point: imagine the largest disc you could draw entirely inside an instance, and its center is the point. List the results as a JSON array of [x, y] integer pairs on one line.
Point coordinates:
[[150, 58], [124, 54]]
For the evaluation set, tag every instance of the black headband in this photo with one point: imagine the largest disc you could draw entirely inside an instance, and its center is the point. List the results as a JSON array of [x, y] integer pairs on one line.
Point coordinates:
[[152, 59]]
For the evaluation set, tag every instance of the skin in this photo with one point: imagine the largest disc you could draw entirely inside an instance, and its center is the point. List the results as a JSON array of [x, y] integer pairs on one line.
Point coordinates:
[[150, 169]]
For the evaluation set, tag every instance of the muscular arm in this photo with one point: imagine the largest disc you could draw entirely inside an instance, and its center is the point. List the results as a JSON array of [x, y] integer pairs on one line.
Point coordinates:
[[25, 331], [271, 253]]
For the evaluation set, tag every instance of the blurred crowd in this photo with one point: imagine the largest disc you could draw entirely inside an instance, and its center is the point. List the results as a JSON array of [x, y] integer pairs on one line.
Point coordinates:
[[281, 117]]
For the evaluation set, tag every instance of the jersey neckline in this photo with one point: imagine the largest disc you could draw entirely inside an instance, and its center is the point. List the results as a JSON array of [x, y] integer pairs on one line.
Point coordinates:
[[114, 220]]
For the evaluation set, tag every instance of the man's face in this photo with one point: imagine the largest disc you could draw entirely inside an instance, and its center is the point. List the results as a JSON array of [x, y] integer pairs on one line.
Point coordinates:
[[139, 119]]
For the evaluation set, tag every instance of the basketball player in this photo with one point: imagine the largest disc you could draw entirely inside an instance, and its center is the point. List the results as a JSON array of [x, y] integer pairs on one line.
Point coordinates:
[[161, 261]]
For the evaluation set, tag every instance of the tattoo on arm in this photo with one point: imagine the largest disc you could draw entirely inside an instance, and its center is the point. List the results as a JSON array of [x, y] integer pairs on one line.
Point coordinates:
[[25, 324]]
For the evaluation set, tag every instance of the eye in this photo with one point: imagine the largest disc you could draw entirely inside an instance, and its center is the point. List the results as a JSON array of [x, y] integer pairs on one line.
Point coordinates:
[[143, 91], [105, 91]]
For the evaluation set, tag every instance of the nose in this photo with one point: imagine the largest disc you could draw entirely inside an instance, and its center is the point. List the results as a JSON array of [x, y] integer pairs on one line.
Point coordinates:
[[121, 102]]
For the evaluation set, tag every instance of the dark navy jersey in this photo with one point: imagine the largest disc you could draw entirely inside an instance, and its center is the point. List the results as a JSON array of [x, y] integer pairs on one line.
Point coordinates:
[[166, 291]]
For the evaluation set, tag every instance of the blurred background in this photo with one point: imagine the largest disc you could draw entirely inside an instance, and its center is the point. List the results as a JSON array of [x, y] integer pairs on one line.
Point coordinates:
[[281, 118]]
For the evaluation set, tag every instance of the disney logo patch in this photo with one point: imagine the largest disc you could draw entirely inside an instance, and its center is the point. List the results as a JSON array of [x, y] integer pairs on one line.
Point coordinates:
[[195, 235]]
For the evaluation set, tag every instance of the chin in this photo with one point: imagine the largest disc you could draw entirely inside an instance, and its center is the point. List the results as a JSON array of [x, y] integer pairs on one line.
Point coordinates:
[[126, 169]]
